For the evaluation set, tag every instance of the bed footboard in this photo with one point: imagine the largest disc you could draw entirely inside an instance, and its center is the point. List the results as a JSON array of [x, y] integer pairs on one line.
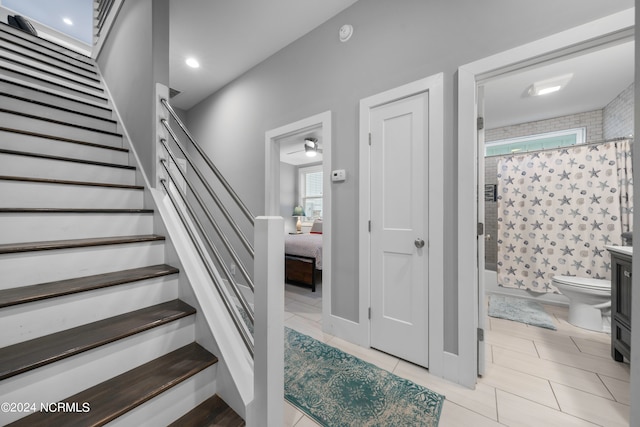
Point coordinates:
[[300, 270]]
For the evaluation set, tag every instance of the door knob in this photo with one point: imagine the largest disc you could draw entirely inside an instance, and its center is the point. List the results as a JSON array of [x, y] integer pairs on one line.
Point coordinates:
[[419, 243]]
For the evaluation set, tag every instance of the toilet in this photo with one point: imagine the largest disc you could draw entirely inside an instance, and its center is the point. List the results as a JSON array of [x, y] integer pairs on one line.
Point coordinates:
[[589, 301]]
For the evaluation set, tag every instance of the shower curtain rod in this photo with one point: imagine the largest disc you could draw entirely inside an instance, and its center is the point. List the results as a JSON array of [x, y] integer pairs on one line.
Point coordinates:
[[586, 144]]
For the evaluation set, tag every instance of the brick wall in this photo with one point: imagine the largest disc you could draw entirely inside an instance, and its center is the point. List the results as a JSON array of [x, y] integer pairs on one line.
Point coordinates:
[[617, 120], [592, 120]]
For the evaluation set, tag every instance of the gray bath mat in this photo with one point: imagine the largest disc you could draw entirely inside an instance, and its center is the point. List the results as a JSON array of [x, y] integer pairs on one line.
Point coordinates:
[[520, 310]]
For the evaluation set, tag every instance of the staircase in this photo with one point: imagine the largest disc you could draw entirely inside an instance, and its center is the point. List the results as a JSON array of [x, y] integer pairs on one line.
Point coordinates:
[[93, 330]]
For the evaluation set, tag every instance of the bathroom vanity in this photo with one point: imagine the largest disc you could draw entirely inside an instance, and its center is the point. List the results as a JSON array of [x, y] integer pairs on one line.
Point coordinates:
[[620, 301]]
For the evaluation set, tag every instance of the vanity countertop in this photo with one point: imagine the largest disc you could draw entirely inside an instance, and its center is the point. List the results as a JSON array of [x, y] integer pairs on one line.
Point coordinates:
[[623, 250]]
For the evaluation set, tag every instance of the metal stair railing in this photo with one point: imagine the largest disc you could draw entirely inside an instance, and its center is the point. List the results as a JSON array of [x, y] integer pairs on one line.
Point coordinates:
[[197, 225]]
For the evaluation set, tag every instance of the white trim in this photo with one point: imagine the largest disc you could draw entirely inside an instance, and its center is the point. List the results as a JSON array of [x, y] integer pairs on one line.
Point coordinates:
[[272, 197], [435, 86], [610, 29]]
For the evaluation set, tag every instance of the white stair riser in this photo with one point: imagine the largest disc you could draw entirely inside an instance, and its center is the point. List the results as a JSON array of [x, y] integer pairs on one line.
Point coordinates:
[[22, 106], [33, 320], [30, 268], [52, 147], [54, 382], [48, 69], [46, 81], [60, 130], [24, 194], [34, 167], [22, 50], [173, 403], [35, 227], [38, 93], [44, 46]]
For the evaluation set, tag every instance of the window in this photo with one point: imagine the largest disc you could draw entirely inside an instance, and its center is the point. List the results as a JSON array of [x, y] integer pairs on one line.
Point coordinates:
[[311, 191], [540, 141]]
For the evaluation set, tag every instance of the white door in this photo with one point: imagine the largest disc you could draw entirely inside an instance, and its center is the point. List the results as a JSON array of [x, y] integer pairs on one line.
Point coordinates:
[[399, 241]]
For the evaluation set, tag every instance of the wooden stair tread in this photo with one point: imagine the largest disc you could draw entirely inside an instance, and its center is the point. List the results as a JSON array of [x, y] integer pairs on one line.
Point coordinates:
[[57, 107], [27, 355], [40, 89], [125, 392], [95, 86], [212, 412], [60, 122], [26, 294], [75, 210], [62, 139], [46, 44], [87, 68], [65, 159], [76, 243], [67, 182], [7, 47], [60, 85]]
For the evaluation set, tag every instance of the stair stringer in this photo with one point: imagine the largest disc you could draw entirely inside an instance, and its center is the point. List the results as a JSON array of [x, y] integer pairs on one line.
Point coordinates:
[[215, 330]]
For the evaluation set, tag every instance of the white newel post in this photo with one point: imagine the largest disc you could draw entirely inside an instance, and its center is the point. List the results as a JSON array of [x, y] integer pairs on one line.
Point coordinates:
[[268, 405], [162, 92]]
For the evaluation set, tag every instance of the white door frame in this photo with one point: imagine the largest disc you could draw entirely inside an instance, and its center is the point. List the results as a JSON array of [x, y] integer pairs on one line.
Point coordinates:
[[610, 29], [434, 85], [272, 189]]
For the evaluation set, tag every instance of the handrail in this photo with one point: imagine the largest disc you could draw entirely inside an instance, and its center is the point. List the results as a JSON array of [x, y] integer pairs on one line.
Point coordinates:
[[213, 222], [261, 329], [103, 8], [206, 158], [210, 244], [207, 186], [230, 307]]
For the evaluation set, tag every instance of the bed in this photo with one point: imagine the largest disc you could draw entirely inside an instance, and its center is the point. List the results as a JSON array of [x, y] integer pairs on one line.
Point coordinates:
[[303, 257]]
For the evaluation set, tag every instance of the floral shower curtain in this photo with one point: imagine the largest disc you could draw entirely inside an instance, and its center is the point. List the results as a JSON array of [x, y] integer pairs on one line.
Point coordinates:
[[558, 209]]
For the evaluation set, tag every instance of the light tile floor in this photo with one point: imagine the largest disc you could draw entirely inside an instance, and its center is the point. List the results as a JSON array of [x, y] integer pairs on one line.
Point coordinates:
[[534, 376]]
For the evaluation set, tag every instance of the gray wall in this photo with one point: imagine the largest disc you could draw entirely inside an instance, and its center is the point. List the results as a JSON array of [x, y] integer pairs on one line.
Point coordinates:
[[394, 42], [135, 57]]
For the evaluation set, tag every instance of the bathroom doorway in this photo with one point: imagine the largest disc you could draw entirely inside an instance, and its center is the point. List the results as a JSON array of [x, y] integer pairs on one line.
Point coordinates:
[[483, 72]]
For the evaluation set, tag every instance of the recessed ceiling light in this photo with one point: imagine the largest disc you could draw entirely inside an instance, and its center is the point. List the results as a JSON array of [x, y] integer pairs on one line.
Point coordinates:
[[549, 90], [545, 87], [192, 62], [67, 21]]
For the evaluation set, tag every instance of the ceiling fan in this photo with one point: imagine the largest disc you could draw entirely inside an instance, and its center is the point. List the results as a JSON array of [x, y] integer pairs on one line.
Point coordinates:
[[311, 147]]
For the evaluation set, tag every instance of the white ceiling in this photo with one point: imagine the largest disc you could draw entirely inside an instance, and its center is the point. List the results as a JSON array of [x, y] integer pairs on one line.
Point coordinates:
[[598, 77], [52, 13], [230, 37]]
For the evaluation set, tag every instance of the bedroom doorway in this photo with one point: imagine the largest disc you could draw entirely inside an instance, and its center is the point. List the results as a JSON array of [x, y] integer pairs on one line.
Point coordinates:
[[298, 188]]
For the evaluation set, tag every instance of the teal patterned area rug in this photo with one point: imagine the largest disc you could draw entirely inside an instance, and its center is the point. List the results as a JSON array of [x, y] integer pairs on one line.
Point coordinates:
[[337, 389]]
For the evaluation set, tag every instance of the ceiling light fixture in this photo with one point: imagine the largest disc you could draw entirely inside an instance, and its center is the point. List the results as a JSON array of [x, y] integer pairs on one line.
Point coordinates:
[[193, 63], [545, 87], [67, 21], [311, 147]]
